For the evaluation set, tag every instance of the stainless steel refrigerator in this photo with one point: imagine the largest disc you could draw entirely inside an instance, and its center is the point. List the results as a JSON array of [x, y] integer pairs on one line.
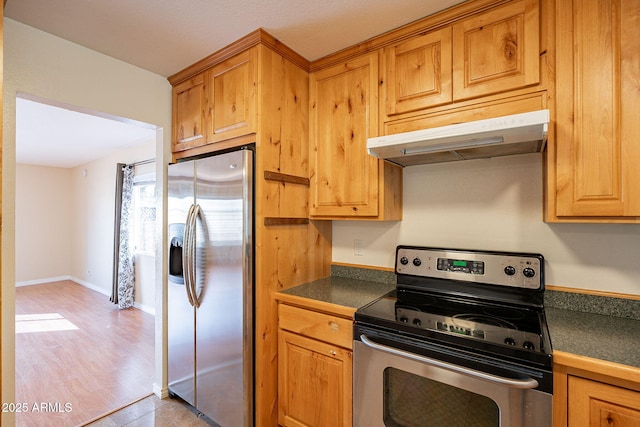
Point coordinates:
[[210, 285]]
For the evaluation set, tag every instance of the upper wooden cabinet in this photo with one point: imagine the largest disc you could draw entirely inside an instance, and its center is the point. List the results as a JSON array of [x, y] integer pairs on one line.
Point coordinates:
[[346, 182], [231, 92], [490, 52], [417, 73], [189, 105], [593, 162], [217, 104], [497, 50]]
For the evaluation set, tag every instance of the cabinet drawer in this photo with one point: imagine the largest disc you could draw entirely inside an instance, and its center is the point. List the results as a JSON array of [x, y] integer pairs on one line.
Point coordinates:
[[316, 325]]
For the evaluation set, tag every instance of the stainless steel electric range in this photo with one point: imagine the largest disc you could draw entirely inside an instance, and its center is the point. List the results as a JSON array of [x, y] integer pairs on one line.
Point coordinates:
[[462, 341]]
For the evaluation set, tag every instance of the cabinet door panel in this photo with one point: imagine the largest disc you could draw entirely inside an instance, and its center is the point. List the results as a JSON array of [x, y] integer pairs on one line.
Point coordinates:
[[595, 404], [314, 380], [232, 86], [497, 50], [344, 178], [418, 73], [598, 106], [189, 104]]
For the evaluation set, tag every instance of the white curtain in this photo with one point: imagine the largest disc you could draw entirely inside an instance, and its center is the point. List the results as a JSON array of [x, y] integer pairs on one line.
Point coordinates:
[[122, 293]]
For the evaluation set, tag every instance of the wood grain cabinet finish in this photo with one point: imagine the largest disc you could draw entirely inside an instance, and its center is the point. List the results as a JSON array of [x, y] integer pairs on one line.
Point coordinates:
[[217, 104], [595, 404], [487, 53], [258, 76], [345, 181], [189, 106], [314, 369], [232, 93], [597, 145], [417, 73], [497, 51]]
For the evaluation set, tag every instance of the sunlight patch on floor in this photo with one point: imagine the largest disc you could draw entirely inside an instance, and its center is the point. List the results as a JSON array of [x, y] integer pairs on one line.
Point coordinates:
[[46, 322]]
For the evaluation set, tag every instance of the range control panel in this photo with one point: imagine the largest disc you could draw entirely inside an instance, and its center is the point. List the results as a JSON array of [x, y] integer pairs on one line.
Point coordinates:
[[520, 270]]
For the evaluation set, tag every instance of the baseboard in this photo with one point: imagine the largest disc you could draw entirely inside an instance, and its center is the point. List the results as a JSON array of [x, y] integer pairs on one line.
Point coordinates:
[[145, 308], [161, 392], [41, 281], [91, 286]]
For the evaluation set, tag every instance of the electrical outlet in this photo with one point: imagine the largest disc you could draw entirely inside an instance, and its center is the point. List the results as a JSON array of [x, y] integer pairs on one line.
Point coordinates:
[[358, 247]]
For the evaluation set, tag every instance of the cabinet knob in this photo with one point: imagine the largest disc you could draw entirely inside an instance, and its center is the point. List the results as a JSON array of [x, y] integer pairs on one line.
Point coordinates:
[[333, 352]]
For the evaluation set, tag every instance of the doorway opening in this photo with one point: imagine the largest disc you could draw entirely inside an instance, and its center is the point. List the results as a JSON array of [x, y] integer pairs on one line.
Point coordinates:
[[77, 355]]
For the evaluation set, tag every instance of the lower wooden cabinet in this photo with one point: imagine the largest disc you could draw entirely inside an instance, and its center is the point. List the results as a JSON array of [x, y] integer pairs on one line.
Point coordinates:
[[314, 369], [595, 404], [590, 392]]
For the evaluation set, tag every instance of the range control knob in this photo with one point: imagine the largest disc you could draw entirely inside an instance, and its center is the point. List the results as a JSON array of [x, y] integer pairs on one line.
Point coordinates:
[[404, 260], [509, 270], [528, 345], [529, 272], [404, 319], [417, 262], [509, 341], [417, 322]]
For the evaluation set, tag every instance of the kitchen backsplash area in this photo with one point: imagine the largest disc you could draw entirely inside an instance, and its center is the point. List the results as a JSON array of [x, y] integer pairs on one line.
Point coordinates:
[[495, 204]]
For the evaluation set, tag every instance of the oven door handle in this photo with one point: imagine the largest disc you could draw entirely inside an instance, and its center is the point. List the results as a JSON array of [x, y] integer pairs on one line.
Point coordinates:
[[524, 384]]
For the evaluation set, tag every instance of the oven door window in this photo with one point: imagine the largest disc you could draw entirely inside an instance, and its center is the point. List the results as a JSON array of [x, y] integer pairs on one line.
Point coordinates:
[[412, 400]]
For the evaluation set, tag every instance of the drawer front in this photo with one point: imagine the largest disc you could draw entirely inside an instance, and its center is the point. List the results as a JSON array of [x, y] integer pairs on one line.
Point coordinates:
[[323, 327]]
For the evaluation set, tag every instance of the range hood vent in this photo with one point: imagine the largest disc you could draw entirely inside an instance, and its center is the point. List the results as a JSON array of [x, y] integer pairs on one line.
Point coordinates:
[[500, 136]]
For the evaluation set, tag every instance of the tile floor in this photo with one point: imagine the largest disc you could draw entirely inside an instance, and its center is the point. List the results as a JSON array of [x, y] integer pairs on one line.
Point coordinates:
[[152, 411]]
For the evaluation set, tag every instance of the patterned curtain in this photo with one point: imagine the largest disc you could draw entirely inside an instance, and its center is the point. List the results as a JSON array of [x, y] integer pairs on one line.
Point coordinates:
[[122, 292]]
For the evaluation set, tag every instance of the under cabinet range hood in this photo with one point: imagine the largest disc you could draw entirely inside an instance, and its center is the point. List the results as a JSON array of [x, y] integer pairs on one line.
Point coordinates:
[[500, 136]]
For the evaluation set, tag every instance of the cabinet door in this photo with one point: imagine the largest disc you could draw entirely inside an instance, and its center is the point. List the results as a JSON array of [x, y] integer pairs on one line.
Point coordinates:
[[189, 105], [598, 106], [497, 50], [594, 404], [344, 113], [314, 382], [417, 73], [232, 97]]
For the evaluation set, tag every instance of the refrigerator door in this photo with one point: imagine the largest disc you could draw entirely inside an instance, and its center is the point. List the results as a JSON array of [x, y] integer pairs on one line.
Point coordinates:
[[181, 314], [223, 278]]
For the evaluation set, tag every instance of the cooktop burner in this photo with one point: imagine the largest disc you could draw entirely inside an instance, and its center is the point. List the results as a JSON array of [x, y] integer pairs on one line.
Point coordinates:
[[480, 301], [506, 326]]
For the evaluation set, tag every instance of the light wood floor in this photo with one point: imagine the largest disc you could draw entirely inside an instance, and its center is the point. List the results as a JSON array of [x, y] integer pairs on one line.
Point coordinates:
[[80, 356]]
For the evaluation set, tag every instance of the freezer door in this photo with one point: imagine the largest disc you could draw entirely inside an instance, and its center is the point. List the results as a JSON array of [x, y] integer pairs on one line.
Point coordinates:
[[181, 314], [224, 335]]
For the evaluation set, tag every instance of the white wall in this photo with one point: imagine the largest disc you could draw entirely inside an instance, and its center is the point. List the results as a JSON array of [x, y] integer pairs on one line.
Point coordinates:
[[496, 204], [93, 216], [48, 67], [65, 224], [43, 223]]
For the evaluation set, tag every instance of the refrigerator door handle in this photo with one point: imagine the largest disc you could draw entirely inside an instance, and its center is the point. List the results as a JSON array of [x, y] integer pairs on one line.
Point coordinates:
[[197, 213], [186, 254]]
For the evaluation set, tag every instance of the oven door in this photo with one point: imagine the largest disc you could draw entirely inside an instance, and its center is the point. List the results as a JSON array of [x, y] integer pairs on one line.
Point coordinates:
[[393, 387]]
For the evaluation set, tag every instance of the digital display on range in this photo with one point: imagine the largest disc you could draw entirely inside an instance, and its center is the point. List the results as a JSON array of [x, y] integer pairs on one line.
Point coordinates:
[[460, 266]]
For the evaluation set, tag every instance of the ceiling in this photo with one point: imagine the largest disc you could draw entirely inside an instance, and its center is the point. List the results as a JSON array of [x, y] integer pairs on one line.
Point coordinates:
[[166, 36], [48, 135]]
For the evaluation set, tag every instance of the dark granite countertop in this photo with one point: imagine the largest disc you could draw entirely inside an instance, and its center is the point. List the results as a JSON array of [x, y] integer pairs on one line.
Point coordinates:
[[347, 292], [609, 338], [613, 336]]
